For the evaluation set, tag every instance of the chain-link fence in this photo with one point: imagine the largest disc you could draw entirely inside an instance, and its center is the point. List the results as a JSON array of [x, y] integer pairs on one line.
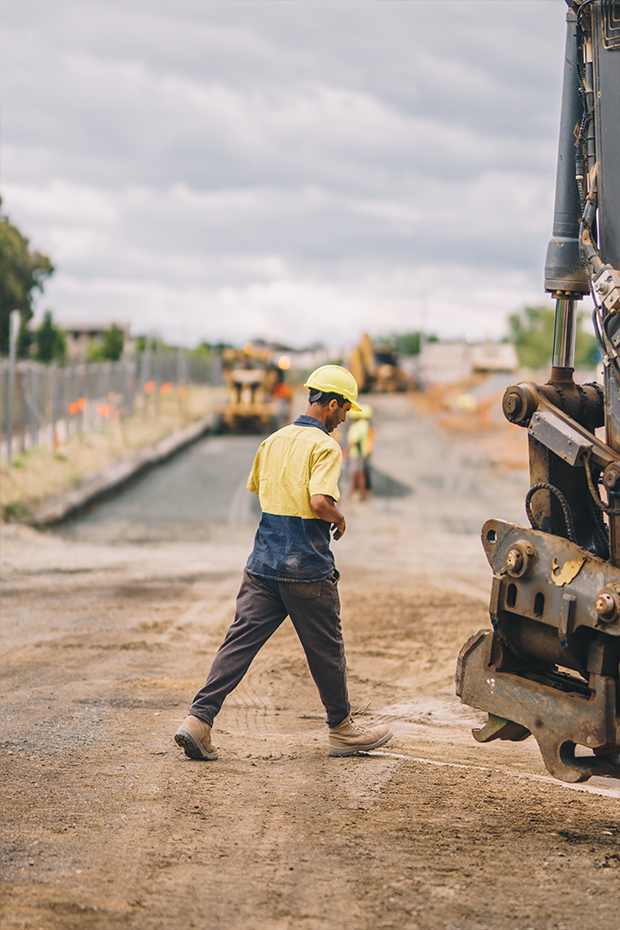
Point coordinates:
[[47, 404]]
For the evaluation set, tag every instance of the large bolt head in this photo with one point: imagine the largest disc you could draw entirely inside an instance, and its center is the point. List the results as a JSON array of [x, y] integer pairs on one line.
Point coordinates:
[[608, 603], [520, 402], [520, 558], [514, 561], [511, 402], [611, 477], [603, 284], [512, 405]]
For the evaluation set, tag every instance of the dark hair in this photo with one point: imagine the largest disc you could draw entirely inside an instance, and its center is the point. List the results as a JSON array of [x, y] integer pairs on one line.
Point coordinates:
[[323, 398]]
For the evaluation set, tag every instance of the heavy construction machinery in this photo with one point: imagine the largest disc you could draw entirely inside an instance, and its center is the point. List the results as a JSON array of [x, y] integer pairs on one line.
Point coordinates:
[[375, 367], [258, 396], [550, 666]]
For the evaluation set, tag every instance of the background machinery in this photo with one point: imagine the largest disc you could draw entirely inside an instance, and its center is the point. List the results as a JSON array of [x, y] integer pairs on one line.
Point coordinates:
[[258, 395], [550, 666], [375, 367]]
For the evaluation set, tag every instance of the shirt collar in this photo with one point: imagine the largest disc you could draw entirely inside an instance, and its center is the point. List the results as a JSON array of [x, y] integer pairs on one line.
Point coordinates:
[[305, 420]]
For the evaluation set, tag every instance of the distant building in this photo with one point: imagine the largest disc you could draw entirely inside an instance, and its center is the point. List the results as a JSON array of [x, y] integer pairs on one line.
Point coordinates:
[[80, 335], [450, 362], [494, 356]]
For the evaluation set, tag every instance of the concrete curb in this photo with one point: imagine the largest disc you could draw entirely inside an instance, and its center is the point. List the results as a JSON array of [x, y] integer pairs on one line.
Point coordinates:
[[114, 476]]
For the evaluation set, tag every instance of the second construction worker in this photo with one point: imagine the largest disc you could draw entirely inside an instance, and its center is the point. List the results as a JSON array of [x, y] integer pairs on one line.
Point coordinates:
[[291, 571], [360, 438]]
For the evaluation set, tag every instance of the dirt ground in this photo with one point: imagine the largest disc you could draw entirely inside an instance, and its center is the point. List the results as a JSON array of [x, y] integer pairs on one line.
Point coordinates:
[[107, 825]]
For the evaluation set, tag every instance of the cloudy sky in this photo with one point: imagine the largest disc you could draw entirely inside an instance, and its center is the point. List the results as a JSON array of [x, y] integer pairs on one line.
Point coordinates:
[[299, 170]]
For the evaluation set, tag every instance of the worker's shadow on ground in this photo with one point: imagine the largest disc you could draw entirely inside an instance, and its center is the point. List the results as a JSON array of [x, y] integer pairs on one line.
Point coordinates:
[[383, 485]]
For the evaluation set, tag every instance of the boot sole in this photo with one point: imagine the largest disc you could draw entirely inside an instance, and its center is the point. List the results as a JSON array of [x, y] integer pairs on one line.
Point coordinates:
[[354, 750], [193, 749]]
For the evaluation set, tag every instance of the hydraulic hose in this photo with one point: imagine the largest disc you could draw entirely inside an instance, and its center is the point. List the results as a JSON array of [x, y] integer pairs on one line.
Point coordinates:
[[568, 517]]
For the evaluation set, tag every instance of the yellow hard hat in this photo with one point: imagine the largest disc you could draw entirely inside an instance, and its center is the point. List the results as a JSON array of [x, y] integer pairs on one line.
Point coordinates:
[[364, 413], [332, 379]]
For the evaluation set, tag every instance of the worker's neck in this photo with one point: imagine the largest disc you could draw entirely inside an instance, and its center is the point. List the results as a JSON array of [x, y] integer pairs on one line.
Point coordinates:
[[318, 412]]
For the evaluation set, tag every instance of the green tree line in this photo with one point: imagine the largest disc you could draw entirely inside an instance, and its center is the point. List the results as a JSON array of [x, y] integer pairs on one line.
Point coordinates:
[[23, 272], [531, 332]]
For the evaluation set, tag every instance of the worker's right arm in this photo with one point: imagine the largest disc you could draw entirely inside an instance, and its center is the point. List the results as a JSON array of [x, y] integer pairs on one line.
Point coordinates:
[[326, 509]]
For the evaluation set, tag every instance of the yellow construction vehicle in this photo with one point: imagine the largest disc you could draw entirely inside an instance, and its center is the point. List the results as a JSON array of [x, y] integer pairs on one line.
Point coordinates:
[[258, 395], [375, 367]]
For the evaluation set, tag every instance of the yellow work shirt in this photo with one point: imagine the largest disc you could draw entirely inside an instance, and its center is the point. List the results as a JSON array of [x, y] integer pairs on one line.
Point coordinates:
[[291, 465]]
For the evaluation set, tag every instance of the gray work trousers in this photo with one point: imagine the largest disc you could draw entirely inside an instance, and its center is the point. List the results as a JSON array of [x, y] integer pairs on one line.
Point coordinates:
[[262, 605]]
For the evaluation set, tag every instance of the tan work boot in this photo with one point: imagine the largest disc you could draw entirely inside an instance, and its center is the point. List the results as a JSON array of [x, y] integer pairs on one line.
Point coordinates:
[[349, 737], [194, 736]]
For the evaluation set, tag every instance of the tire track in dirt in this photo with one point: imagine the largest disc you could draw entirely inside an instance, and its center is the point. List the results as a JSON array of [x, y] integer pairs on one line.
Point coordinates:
[[432, 832]]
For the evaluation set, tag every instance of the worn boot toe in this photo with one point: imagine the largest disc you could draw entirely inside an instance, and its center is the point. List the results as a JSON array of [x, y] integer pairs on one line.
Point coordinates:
[[349, 737]]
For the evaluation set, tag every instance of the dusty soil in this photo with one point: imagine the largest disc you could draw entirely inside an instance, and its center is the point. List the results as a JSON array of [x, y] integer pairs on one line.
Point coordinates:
[[107, 825]]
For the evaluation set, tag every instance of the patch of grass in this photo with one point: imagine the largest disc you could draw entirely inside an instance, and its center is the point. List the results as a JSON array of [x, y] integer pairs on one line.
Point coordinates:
[[16, 512]]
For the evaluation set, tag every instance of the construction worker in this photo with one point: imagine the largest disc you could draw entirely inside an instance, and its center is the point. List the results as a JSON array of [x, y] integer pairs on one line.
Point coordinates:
[[360, 437], [291, 571]]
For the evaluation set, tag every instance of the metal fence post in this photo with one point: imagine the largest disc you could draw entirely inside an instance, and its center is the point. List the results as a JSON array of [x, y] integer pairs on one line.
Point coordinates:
[[32, 396], [14, 321], [181, 365], [145, 374], [158, 376], [53, 370], [21, 406]]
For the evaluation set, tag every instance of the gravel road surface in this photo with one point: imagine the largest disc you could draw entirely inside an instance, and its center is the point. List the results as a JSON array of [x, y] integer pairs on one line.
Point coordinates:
[[109, 627]]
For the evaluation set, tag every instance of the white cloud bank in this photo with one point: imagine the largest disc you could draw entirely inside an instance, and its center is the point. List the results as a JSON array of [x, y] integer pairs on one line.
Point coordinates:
[[294, 170]]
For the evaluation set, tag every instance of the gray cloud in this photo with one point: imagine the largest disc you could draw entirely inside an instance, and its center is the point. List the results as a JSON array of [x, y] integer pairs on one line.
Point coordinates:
[[173, 155]]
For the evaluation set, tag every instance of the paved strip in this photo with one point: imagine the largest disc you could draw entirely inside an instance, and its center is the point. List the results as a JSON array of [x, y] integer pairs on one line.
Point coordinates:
[[117, 474]]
